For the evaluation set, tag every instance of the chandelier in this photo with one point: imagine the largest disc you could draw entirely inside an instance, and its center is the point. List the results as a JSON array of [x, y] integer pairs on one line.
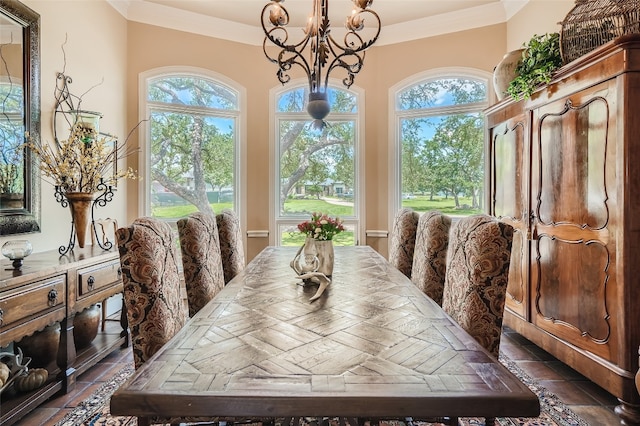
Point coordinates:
[[318, 53]]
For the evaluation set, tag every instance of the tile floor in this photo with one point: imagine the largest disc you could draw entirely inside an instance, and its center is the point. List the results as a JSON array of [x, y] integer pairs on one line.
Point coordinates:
[[585, 398]]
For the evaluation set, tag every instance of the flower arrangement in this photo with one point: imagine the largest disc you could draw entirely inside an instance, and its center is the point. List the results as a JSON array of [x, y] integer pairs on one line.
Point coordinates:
[[321, 227], [83, 161]]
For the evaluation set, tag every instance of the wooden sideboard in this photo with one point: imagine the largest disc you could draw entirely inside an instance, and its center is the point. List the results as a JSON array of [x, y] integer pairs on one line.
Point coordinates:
[[564, 170], [51, 288]]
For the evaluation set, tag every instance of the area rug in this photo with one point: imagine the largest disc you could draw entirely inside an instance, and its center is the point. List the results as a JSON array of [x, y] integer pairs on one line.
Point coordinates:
[[94, 411]]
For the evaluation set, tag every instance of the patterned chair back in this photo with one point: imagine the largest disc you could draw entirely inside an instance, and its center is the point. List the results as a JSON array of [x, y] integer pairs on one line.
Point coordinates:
[[231, 246], [430, 254], [403, 240], [151, 281], [476, 277], [201, 259]]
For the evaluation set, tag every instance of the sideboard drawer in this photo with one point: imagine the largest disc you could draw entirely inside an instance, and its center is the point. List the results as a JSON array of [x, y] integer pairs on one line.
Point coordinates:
[[97, 277], [33, 299]]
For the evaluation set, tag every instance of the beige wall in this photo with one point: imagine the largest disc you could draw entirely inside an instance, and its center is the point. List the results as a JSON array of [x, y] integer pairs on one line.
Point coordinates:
[[109, 47], [153, 47], [537, 17], [11, 62], [95, 56]]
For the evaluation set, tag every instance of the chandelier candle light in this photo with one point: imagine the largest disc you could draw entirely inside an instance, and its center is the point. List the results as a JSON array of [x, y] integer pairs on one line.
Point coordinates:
[[324, 53]]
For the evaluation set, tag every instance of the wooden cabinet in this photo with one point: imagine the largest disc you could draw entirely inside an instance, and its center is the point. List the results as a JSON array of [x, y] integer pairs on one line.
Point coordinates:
[[564, 170], [51, 288]]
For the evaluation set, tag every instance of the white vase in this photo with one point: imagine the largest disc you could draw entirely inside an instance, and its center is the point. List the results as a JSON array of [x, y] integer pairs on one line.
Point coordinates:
[[505, 72], [325, 256], [314, 256]]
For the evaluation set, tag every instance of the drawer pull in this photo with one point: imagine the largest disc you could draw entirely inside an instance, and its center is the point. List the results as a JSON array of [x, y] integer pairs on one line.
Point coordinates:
[[119, 272], [90, 282], [53, 297], [1, 317]]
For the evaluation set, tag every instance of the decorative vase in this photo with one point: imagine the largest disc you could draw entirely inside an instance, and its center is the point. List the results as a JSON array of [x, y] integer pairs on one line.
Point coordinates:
[[314, 256], [85, 326], [505, 72], [42, 346], [325, 255], [80, 206]]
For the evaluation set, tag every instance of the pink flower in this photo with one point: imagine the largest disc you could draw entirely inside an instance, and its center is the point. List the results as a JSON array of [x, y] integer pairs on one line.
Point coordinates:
[[321, 227]]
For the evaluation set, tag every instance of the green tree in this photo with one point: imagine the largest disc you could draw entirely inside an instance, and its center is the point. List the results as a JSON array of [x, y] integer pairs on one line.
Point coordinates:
[[415, 173], [189, 150], [442, 149], [302, 148], [455, 155]]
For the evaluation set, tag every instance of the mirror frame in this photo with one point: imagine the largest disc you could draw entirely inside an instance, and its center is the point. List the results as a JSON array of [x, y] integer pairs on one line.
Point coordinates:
[[27, 219]]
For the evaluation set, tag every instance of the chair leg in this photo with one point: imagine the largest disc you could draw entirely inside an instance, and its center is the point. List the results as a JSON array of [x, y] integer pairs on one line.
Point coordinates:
[[104, 313]]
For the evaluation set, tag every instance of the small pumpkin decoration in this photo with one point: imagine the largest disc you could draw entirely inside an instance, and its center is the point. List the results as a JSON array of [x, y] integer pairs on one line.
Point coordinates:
[[4, 373], [32, 380]]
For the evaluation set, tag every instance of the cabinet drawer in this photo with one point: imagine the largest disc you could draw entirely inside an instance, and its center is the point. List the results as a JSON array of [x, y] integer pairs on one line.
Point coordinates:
[[97, 277], [34, 299]]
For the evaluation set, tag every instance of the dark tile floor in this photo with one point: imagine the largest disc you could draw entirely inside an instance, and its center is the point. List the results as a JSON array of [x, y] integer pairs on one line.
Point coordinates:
[[585, 398]]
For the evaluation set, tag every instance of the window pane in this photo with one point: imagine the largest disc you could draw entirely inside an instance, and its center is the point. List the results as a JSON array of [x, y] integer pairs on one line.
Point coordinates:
[[191, 162], [442, 93], [183, 90], [316, 168], [442, 163]]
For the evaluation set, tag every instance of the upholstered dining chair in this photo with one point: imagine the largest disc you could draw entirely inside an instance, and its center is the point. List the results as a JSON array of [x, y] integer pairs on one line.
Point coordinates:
[[151, 288], [231, 246], [476, 277], [403, 239], [151, 285], [430, 254], [201, 259], [152, 294]]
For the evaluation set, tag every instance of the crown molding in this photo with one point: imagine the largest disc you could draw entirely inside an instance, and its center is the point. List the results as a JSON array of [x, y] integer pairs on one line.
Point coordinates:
[[181, 20]]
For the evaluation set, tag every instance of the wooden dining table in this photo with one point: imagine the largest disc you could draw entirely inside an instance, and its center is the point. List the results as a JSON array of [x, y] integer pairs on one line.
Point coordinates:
[[372, 346]]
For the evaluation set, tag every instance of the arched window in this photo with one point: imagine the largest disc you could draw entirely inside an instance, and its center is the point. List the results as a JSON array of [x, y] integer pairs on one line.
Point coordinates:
[[316, 170], [192, 148], [438, 151]]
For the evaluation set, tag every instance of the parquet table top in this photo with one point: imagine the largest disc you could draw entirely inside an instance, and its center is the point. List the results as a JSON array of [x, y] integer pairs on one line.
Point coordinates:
[[372, 346]]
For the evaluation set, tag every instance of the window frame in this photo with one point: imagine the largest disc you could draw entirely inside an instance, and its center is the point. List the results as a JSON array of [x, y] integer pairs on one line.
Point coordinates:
[[240, 115], [275, 219], [396, 116]]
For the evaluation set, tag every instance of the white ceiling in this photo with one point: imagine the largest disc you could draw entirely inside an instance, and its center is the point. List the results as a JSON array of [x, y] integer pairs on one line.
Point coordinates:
[[239, 20]]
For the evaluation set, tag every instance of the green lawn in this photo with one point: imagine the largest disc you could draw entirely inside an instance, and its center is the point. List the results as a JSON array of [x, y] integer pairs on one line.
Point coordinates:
[[444, 205], [180, 211], [308, 206]]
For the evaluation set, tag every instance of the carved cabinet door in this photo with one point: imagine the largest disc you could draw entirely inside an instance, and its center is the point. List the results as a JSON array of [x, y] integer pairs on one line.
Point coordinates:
[[574, 207], [508, 175]]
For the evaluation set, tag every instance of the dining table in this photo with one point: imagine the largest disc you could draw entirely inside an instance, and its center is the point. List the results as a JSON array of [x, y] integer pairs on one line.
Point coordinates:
[[372, 346]]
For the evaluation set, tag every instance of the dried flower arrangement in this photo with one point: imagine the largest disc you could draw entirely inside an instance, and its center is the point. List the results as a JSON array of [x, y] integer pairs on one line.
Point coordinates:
[[83, 161]]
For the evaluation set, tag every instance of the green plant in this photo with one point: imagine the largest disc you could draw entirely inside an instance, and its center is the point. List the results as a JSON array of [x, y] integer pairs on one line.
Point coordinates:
[[540, 59]]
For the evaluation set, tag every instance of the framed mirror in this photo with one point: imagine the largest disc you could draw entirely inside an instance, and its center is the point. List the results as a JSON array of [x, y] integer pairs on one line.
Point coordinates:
[[19, 116]]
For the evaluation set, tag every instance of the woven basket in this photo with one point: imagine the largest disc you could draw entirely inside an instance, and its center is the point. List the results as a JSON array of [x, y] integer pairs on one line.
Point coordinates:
[[592, 23]]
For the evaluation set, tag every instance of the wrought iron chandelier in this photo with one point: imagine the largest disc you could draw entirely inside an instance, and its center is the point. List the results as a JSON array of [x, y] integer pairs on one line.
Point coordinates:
[[318, 53]]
